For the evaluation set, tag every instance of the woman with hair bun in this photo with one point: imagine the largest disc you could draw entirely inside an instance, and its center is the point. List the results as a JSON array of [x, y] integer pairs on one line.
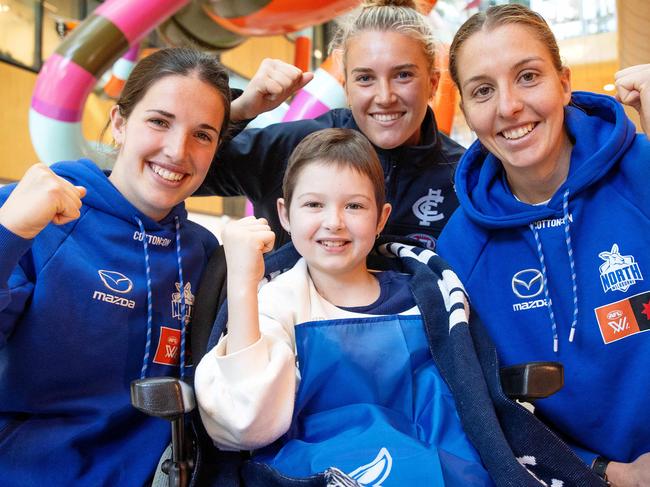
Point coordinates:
[[388, 54]]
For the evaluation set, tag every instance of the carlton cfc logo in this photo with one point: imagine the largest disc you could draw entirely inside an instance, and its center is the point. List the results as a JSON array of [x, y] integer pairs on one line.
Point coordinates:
[[425, 208]]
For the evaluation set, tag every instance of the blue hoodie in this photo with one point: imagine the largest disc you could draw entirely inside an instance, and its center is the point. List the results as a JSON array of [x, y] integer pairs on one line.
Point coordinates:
[[73, 332], [575, 268]]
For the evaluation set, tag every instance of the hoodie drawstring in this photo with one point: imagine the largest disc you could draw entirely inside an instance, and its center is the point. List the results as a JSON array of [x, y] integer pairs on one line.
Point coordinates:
[[574, 282], [147, 347], [540, 256], [182, 291]]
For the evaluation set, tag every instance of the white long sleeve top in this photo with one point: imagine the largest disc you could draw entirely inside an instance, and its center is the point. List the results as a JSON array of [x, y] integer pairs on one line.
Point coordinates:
[[246, 398]]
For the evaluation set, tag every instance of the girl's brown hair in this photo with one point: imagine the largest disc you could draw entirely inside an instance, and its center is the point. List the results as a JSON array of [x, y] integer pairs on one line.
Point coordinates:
[[341, 148]]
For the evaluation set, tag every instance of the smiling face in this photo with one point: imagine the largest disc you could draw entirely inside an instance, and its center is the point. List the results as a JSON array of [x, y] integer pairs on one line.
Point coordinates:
[[167, 143], [513, 98], [388, 85], [333, 219]]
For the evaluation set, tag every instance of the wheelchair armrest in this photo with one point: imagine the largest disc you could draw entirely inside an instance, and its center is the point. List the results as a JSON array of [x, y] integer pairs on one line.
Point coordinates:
[[533, 380], [168, 398], [163, 397]]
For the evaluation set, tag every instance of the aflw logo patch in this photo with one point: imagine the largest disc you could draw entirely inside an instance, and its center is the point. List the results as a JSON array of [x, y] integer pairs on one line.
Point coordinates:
[[169, 347], [619, 272], [624, 318]]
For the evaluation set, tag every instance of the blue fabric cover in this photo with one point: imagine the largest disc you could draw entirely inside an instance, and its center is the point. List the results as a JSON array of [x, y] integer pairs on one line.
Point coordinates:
[[370, 391]]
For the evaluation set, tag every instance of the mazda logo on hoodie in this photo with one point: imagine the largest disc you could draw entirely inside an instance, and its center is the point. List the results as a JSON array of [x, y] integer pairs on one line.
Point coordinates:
[[527, 283]]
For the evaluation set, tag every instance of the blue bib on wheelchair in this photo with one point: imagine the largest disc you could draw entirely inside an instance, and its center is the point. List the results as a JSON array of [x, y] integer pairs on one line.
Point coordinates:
[[372, 403]]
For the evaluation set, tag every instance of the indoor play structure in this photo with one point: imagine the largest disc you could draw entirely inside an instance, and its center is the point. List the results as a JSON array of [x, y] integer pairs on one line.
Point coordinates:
[[110, 37]]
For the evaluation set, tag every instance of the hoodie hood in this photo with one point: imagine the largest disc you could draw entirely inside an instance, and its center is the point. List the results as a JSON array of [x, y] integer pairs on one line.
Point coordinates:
[[103, 195], [601, 133]]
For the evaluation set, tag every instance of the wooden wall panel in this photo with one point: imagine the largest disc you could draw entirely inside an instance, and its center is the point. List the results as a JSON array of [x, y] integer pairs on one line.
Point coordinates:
[[245, 58], [16, 151], [633, 44]]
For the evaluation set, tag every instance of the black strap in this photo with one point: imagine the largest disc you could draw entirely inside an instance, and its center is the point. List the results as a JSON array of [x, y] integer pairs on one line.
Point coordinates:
[[600, 467], [210, 296]]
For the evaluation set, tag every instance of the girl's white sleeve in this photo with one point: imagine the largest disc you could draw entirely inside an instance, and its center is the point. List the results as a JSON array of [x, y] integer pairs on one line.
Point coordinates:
[[246, 398]]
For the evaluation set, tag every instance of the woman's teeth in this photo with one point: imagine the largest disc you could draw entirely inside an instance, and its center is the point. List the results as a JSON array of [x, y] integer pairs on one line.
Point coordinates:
[[519, 132], [166, 174], [386, 117]]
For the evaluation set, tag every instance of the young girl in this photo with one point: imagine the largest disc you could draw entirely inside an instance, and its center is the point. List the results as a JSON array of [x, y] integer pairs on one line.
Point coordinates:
[[97, 277], [388, 53], [332, 360], [555, 211]]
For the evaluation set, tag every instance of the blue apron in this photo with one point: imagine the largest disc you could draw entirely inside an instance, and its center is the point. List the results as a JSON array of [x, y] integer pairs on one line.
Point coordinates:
[[372, 404]]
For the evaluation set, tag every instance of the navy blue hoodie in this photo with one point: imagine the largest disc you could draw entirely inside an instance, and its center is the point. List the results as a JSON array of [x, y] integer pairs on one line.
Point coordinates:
[[73, 332], [575, 268], [419, 178]]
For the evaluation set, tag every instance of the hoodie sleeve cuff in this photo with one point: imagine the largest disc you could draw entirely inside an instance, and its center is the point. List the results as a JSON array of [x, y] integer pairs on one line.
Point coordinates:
[[12, 248], [585, 455], [244, 363]]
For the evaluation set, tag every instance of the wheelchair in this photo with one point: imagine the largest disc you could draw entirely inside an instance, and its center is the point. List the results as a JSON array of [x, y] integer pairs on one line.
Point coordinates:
[[195, 461]]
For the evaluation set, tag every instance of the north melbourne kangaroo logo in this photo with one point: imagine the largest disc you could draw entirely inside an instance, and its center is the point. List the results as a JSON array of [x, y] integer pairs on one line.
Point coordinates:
[[177, 302], [619, 272], [425, 208]]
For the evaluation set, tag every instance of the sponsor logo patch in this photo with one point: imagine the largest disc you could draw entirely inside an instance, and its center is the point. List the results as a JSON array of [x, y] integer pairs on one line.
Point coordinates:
[[527, 283], [152, 239], [115, 281], [624, 318], [375, 472], [619, 272], [425, 208], [427, 240], [118, 283], [552, 222], [169, 347]]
